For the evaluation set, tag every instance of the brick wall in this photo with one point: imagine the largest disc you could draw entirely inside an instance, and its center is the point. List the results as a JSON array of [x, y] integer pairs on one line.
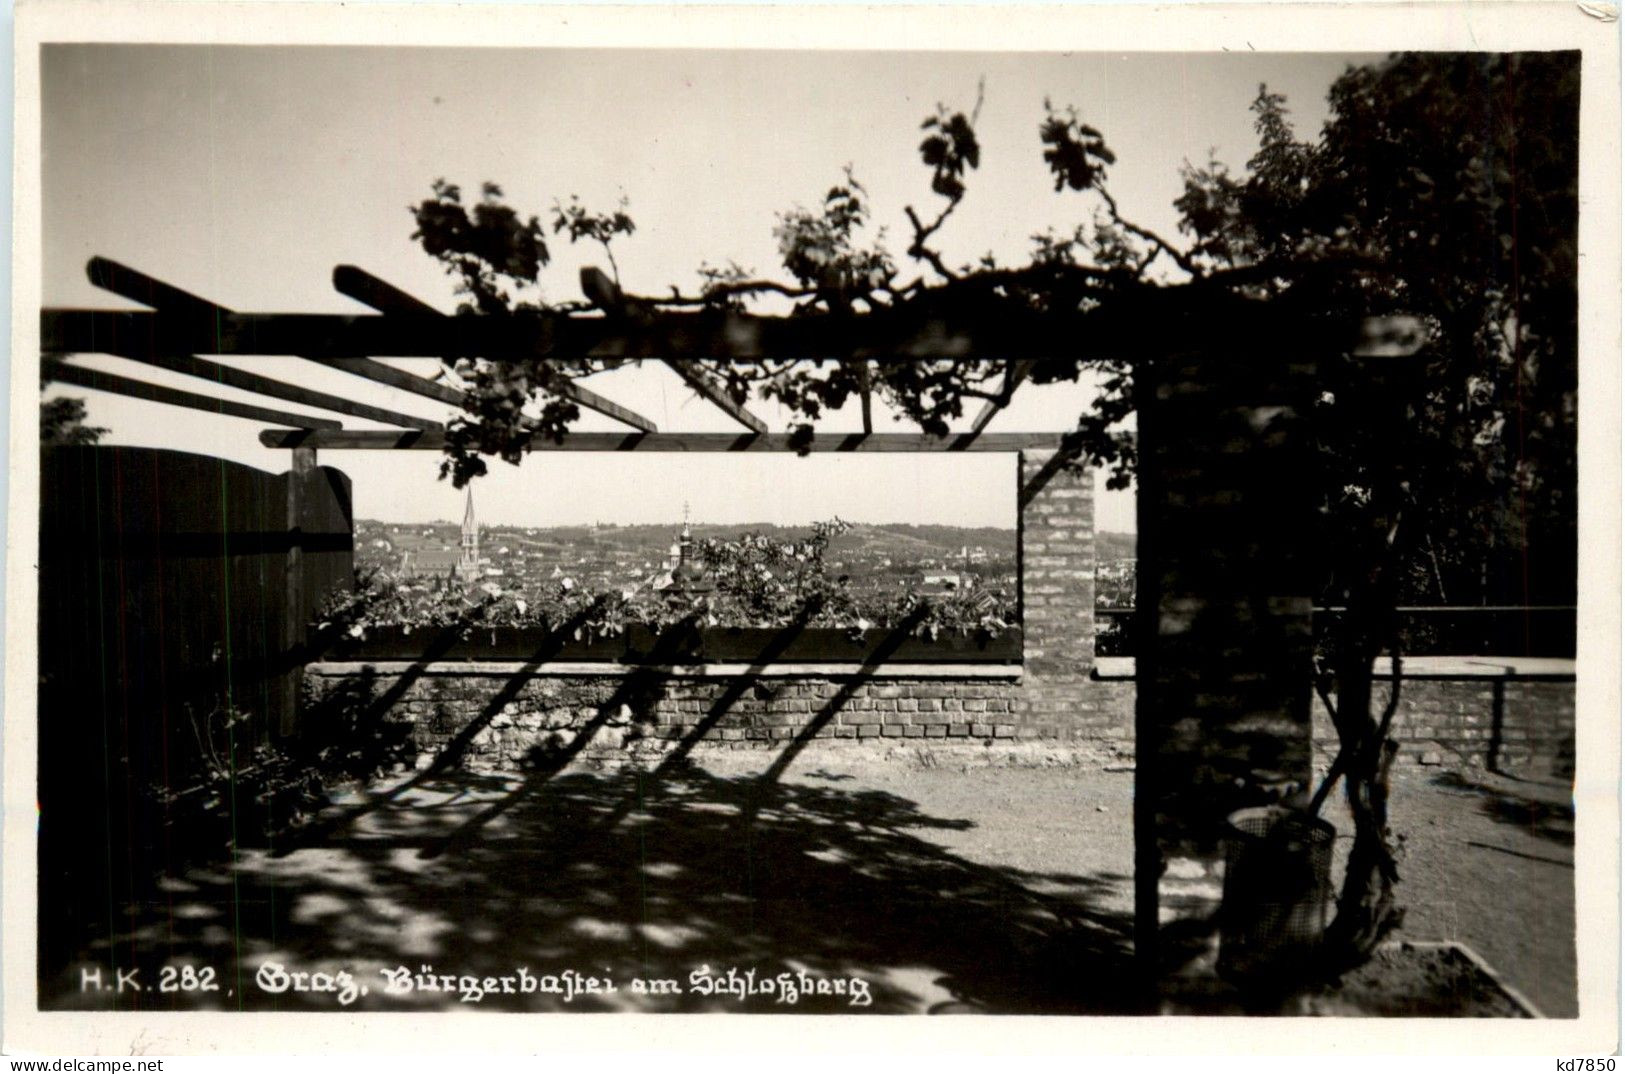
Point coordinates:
[[1225, 582], [1523, 725], [1225, 574], [1440, 721], [500, 714], [506, 714], [500, 717]]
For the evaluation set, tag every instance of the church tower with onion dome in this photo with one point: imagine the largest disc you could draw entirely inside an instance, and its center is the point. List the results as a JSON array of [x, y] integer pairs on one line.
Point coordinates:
[[688, 578]]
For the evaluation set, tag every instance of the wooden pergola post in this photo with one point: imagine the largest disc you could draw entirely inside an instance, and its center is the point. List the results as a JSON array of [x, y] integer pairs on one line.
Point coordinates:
[[296, 613]]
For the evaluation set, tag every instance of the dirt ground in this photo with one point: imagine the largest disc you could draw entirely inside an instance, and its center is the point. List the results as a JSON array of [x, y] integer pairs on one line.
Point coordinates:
[[845, 883]]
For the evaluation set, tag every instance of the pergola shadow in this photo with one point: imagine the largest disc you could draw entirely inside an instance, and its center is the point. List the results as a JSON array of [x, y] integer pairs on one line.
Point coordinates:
[[820, 880]]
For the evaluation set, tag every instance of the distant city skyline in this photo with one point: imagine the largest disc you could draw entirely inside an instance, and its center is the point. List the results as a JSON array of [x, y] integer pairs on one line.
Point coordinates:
[[675, 524], [581, 488]]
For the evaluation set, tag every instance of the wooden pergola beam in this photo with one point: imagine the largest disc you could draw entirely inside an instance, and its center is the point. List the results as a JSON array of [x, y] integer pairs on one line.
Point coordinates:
[[383, 373], [606, 295], [139, 287], [252, 382], [1005, 334], [157, 393], [734, 336], [373, 440], [707, 391], [943, 326], [388, 299]]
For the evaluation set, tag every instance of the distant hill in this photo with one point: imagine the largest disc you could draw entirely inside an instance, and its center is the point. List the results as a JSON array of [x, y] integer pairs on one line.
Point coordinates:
[[903, 541], [875, 557], [906, 541], [1114, 546], [897, 540]]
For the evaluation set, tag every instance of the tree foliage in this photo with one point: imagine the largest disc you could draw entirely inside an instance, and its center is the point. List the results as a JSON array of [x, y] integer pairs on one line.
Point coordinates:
[[1449, 186], [62, 420], [1455, 177], [62, 424], [1442, 185], [582, 225], [492, 251], [482, 247]]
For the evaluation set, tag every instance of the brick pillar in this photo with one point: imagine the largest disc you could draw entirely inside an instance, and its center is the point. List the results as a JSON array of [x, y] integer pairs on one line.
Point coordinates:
[[1057, 567], [1224, 644]]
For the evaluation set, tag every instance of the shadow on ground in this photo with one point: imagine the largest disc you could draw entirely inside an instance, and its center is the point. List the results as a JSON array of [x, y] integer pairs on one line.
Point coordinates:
[[625, 876], [1540, 807]]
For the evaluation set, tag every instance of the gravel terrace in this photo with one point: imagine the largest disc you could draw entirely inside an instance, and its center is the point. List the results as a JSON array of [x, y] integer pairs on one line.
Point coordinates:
[[940, 886]]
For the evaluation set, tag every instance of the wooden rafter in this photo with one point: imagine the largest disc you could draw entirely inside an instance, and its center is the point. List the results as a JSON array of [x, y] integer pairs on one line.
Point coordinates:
[[139, 287], [157, 393], [383, 373], [292, 393], [1014, 374], [388, 299], [605, 294], [709, 392], [683, 442]]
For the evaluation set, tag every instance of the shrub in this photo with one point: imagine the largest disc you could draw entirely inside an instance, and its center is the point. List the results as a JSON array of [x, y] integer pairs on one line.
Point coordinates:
[[757, 580]]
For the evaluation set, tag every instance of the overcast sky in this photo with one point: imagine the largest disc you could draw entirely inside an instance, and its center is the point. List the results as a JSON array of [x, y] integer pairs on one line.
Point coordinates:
[[246, 174]]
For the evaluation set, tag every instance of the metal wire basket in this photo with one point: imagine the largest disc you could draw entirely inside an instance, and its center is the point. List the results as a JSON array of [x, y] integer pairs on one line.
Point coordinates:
[[1277, 880]]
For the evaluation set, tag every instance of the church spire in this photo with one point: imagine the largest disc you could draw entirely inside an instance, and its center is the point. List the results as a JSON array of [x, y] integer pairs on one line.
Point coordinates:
[[468, 564]]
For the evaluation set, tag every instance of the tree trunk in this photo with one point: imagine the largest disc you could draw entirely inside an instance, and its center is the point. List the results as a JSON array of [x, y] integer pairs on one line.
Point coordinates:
[[1366, 910]]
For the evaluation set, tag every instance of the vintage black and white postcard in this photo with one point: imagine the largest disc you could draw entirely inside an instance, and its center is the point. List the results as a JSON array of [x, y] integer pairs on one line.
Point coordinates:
[[1086, 512]]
